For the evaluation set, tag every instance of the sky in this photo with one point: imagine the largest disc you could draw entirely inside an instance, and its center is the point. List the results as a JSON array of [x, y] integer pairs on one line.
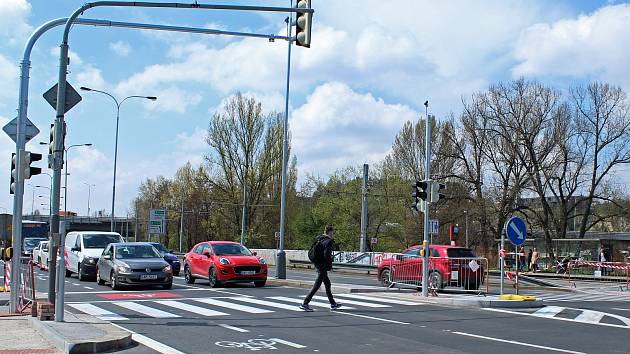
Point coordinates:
[[371, 66]]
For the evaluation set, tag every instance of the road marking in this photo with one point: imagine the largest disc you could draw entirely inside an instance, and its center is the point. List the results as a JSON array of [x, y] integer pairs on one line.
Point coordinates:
[[191, 308], [269, 303], [151, 343], [232, 306], [98, 312], [286, 342], [380, 299], [518, 343], [370, 317], [351, 302], [146, 310], [312, 303], [549, 311], [141, 300], [620, 318], [87, 287], [233, 328], [590, 316]]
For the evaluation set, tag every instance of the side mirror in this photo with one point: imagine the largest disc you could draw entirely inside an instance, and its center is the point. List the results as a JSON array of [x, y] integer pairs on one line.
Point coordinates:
[[255, 253], [75, 249], [107, 256], [206, 253]]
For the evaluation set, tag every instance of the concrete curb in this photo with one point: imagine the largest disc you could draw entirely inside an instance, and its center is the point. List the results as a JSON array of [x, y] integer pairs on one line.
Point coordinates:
[[94, 336], [339, 288]]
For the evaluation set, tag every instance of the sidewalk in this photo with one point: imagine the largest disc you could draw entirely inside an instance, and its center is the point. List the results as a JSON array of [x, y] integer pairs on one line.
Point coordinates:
[[18, 337]]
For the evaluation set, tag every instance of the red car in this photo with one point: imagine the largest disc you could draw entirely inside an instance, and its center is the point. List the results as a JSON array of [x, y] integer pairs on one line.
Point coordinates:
[[448, 266], [224, 262]]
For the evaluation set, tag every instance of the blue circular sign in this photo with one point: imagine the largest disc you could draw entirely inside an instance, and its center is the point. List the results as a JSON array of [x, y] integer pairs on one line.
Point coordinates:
[[516, 230]]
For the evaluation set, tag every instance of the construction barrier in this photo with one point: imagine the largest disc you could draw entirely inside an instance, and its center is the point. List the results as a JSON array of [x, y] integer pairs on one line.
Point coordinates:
[[599, 275], [26, 297], [467, 274], [7, 276]]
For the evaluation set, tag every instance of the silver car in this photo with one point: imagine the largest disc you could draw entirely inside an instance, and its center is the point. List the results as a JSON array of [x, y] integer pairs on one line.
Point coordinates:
[[133, 263]]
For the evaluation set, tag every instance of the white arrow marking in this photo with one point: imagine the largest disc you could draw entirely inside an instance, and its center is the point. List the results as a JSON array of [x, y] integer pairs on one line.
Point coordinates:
[[518, 232]]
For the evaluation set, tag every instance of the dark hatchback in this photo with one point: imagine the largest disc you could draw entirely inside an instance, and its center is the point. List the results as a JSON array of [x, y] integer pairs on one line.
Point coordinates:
[[169, 257], [133, 263]]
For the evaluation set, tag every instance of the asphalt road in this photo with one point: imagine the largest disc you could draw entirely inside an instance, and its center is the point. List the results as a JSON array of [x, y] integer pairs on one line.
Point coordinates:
[[241, 319]]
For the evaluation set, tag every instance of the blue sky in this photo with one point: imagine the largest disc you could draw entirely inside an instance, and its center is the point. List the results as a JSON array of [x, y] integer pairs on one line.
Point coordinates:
[[370, 68]]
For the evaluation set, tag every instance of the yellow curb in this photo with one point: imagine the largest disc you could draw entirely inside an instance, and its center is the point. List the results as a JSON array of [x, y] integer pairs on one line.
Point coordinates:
[[517, 297]]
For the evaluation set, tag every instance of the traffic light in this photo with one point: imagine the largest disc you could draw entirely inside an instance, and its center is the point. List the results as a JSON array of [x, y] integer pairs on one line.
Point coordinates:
[[419, 192], [303, 23], [51, 146], [436, 187], [13, 173], [28, 170]]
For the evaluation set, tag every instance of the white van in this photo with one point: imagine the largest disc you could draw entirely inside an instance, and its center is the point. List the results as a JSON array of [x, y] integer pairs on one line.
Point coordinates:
[[83, 248]]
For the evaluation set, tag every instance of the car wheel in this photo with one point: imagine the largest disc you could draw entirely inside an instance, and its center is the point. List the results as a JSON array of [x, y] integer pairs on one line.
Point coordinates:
[[385, 278], [435, 280], [113, 281], [99, 280], [213, 278], [260, 283], [39, 262], [68, 273], [176, 274], [167, 286], [188, 275], [80, 273]]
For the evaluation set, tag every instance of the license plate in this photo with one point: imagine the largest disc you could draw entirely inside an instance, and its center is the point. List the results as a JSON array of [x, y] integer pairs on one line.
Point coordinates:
[[148, 276], [248, 272]]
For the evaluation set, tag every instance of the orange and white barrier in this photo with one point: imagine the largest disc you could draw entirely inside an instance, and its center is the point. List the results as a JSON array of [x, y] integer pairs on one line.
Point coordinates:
[[7, 276]]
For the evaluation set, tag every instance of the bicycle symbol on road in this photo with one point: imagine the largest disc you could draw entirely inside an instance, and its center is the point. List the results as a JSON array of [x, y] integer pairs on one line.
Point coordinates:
[[256, 344]]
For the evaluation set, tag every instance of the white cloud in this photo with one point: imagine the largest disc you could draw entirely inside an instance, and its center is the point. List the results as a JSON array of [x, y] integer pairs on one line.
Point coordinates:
[[121, 48], [173, 99], [92, 78], [75, 59], [592, 45], [9, 73], [338, 127], [195, 141], [13, 25]]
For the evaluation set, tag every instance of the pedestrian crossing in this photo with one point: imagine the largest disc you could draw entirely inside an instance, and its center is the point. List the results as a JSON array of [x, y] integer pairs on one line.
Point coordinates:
[[582, 296], [224, 306], [573, 315]]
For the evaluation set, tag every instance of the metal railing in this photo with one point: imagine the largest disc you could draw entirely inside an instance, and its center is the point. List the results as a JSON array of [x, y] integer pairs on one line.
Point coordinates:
[[467, 274]]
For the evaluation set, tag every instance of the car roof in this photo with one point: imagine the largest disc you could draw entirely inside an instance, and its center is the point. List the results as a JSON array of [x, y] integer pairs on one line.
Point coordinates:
[[439, 246], [95, 233], [131, 243], [221, 242]]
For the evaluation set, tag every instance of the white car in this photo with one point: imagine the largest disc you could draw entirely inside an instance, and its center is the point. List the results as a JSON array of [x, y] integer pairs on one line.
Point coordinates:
[[83, 249], [40, 254]]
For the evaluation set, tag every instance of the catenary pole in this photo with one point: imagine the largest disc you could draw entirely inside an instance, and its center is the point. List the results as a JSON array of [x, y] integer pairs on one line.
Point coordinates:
[[364, 210]]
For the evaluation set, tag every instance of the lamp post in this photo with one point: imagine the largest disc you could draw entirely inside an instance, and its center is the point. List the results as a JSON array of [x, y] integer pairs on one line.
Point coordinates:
[[88, 200], [118, 104], [466, 215]]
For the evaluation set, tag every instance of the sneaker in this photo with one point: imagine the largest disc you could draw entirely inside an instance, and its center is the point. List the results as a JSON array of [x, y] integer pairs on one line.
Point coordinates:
[[306, 308], [335, 306]]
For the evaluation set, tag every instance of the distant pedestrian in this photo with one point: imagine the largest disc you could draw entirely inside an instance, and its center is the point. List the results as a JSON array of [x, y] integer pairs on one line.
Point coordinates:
[[321, 256], [521, 259], [529, 260], [533, 266], [603, 259]]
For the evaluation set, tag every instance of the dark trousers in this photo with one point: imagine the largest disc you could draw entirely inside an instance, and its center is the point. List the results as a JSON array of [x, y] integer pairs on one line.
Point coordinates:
[[322, 277]]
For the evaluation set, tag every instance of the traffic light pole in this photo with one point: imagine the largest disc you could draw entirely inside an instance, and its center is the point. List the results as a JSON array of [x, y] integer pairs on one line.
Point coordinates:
[[427, 178]]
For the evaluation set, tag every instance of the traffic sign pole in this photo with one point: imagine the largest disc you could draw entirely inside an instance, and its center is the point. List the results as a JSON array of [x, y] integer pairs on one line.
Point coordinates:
[[502, 259]]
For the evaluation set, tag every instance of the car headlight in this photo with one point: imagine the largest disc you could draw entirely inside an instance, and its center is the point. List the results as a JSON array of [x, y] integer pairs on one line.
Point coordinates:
[[89, 260], [224, 261], [262, 261], [167, 269], [123, 269]]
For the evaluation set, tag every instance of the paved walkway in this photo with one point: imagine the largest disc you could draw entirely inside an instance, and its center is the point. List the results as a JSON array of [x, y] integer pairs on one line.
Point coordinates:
[[17, 337]]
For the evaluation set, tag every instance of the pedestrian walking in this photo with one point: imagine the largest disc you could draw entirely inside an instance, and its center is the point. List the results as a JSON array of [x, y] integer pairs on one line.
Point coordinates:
[[602, 259], [529, 260], [320, 254], [521, 259], [533, 266]]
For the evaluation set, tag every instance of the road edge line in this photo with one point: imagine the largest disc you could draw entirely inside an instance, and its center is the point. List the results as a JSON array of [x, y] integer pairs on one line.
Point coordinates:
[[151, 343], [517, 343]]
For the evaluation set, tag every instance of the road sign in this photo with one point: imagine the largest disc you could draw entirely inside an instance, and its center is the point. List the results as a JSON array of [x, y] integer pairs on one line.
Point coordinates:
[[72, 97], [516, 230], [157, 221], [276, 236], [374, 240], [434, 226], [11, 130]]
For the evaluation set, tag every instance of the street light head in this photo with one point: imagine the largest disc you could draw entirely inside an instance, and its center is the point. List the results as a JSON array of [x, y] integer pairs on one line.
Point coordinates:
[[85, 88], [88, 144], [152, 98], [43, 143]]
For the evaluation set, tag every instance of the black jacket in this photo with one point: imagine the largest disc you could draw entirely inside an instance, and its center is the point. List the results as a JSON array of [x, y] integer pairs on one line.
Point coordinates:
[[327, 244]]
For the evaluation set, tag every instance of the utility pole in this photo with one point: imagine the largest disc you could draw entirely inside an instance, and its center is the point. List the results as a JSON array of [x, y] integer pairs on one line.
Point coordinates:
[[181, 226], [364, 209], [244, 218], [135, 231], [466, 215], [427, 178]]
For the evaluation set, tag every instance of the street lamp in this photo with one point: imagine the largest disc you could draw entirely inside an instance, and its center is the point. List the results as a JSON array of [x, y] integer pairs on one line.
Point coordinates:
[[152, 98], [89, 190]]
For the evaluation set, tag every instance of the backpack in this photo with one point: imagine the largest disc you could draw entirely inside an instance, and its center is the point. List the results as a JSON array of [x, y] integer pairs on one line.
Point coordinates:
[[316, 252]]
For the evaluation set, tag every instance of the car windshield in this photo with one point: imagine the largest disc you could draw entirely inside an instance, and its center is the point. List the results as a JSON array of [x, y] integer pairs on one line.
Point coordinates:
[[460, 253], [136, 251], [30, 243], [99, 240], [159, 247], [230, 249]]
